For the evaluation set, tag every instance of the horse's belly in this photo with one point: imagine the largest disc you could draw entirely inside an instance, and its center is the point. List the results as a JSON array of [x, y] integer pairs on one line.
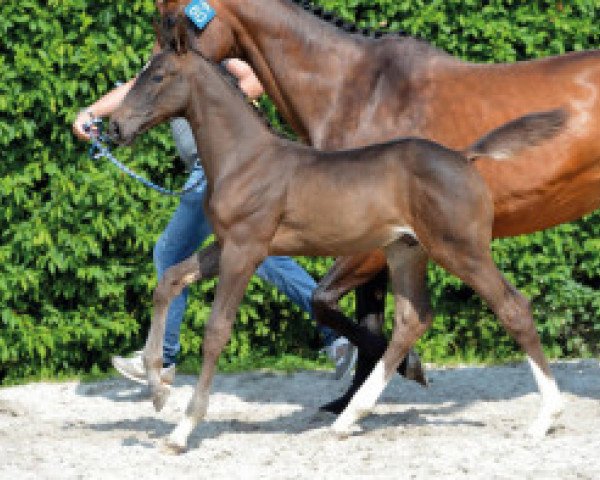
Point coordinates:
[[559, 202], [348, 239]]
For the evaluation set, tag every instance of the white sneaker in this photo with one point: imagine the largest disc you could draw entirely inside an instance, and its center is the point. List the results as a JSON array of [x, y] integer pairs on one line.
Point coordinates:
[[343, 354], [133, 369]]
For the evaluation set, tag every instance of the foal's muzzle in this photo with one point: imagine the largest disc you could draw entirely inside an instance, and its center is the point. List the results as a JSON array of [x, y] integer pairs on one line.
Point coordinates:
[[115, 132]]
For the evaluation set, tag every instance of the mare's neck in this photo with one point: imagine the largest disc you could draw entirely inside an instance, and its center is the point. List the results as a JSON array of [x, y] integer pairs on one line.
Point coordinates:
[[293, 51], [228, 132]]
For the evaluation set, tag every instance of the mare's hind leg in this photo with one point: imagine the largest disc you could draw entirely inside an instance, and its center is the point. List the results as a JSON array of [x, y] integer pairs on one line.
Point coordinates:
[[236, 266], [204, 264], [407, 265], [478, 270]]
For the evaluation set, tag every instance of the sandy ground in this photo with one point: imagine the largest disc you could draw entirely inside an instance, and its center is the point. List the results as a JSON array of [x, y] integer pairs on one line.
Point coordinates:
[[468, 424]]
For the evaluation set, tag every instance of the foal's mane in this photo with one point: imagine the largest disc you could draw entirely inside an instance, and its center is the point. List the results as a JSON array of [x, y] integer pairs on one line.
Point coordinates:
[[334, 19], [234, 85]]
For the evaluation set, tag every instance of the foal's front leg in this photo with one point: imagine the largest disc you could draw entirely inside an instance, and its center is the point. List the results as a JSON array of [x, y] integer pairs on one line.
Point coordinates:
[[204, 264], [236, 267]]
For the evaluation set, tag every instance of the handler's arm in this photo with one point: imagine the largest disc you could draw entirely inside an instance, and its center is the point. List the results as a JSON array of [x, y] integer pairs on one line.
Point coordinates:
[[102, 107], [108, 103]]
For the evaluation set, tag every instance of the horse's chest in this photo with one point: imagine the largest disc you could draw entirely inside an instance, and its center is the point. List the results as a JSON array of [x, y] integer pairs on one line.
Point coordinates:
[[241, 200], [228, 202]]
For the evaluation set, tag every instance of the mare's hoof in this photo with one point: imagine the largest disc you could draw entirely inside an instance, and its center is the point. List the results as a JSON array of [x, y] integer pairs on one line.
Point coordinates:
[[545, 422], [414, 369], [338, 405]]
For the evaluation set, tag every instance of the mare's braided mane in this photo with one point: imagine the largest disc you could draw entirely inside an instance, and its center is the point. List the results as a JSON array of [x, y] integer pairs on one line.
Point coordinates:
[[346, 26]]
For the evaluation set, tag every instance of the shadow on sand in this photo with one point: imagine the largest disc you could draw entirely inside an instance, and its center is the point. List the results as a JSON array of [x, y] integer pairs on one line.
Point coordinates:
[[450, 392]]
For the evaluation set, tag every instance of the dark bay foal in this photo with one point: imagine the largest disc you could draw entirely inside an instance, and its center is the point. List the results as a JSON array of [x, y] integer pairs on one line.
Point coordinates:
[[414, 198]]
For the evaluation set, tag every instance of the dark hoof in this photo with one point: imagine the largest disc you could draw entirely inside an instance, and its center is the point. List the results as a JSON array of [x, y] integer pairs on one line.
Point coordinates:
[[364, 366], [338, 405], [414, 369]]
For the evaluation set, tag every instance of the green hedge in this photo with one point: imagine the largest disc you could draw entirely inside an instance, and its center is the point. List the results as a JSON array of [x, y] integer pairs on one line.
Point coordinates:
[[76, 241]]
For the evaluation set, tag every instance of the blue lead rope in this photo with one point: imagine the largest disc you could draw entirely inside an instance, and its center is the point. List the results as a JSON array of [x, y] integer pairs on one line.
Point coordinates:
[[100, 149]]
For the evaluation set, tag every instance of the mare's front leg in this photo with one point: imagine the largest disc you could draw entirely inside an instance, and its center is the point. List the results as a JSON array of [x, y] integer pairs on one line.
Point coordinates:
[[346, 274], [237, 265], [201, 265]]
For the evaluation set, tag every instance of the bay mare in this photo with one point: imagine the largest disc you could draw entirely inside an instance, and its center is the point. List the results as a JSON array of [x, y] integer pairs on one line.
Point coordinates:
[[341, 90], [414, 198]]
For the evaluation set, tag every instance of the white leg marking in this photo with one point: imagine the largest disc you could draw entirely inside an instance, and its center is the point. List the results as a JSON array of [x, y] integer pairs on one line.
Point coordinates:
[[179, 436], [552, 403], [363, 401]]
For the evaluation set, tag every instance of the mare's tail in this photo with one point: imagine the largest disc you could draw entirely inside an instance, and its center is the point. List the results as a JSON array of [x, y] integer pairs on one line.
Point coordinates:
[[512, 137]]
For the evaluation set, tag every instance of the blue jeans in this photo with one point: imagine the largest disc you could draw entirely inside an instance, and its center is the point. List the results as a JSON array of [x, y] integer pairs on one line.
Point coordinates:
[[186, 231]]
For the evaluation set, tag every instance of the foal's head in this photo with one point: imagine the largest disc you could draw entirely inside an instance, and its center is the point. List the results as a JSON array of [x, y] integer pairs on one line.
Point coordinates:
[[161, 91]]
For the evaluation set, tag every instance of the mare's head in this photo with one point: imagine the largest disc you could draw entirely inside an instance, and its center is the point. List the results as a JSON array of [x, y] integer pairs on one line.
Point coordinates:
[[216, 41], [161, 91]]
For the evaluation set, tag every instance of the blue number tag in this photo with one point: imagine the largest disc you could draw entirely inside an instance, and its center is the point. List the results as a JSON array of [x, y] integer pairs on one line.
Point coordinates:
[[199, 12]]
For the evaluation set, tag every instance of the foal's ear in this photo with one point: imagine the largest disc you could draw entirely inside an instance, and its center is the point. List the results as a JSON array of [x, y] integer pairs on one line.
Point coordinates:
[[158, 31], [182, 36]]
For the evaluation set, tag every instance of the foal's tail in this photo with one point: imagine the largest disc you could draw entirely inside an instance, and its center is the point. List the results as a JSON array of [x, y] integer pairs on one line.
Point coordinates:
[[512, 137]]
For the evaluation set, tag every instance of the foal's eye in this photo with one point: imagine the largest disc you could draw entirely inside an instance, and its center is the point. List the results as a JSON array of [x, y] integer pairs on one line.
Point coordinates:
[[157, 78]]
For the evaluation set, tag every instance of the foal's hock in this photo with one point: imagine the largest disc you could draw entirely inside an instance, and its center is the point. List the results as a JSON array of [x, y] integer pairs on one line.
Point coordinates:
[[412, 197]]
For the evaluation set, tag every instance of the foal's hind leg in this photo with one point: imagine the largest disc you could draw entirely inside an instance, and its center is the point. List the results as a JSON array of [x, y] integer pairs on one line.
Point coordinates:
[[478, 270], [204, 264], [407, 266]]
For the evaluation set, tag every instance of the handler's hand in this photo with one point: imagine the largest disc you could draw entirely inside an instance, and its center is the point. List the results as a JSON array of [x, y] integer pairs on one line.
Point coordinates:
[[248, 81], [83, 117]]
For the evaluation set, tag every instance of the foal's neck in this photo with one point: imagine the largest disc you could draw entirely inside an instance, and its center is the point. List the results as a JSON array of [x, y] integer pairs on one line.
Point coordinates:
[[227, 130]]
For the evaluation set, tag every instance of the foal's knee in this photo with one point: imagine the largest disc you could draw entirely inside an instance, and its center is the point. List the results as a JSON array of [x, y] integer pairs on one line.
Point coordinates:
[[422, 320], [168, 287]]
